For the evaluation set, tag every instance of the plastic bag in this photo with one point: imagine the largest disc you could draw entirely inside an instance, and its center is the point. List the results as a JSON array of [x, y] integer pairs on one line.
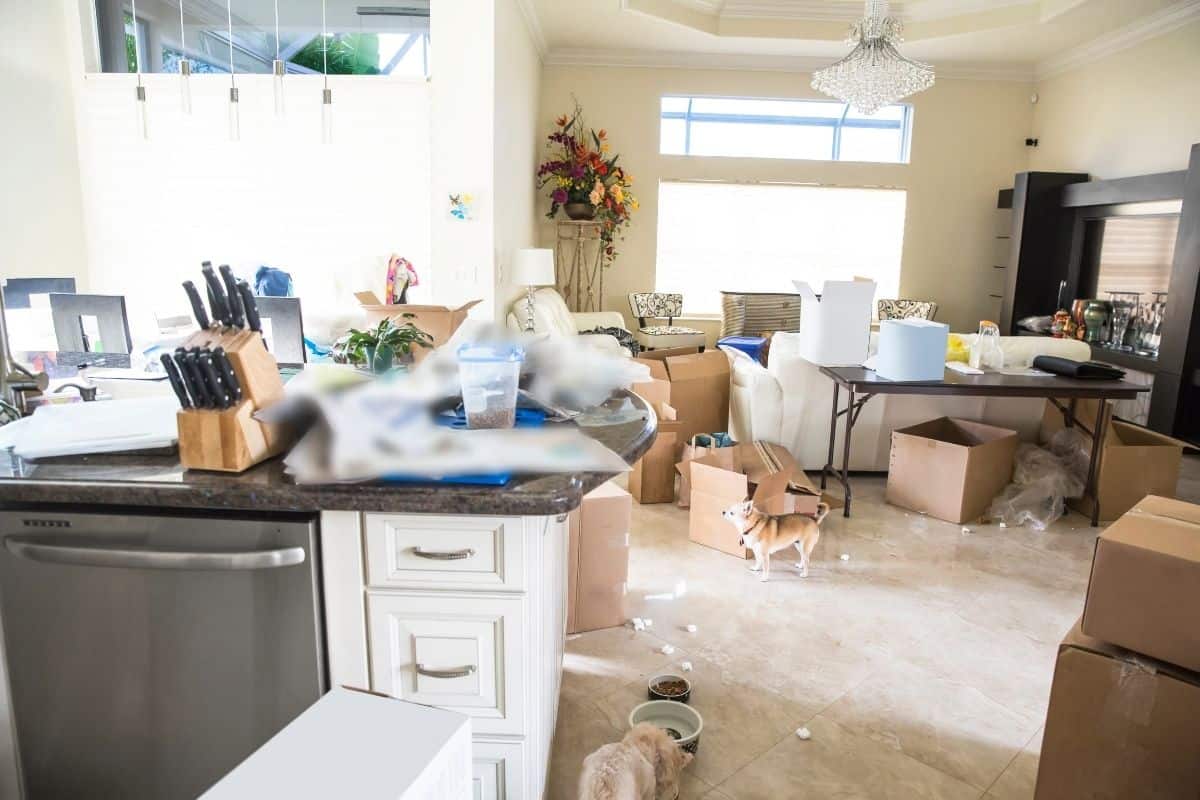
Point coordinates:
[[1042, 480]]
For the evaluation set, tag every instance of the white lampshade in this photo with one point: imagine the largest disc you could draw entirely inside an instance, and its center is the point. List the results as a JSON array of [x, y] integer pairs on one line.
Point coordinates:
[[533, 267]]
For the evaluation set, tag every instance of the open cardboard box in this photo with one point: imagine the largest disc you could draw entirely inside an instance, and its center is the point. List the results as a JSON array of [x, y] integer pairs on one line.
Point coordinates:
[[440, 322], [765, 473], [698, 389], [653, 477], [1134, 461]]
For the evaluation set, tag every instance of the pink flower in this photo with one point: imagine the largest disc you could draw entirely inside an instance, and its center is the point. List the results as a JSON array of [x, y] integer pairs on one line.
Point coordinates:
[[559, 196]]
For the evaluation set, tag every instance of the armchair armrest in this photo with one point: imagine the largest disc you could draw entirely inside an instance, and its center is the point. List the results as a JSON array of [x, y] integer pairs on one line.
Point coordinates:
[[588, 320]]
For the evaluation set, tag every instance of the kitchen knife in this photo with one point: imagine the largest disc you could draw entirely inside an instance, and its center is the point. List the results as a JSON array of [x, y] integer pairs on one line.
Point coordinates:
[[236, 315], [189, 371], [176, 380], [215, 384], [216, 296], [233, 387], [250, 305], [197, 304]]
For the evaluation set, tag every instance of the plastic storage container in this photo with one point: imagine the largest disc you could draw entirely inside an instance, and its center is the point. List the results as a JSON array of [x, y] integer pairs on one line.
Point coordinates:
[[489, 375], [750, 345], [985, 350]]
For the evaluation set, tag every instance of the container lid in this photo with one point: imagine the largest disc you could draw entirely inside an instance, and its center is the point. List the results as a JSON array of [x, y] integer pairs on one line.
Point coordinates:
[[490, 353]]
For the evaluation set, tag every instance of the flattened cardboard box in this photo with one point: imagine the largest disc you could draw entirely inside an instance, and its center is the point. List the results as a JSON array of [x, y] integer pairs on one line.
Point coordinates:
[[598, 559], [950, 468], [1144, 592], [1120, 726], [699, 390], [440, 322], [1134, 461], [766, 473]]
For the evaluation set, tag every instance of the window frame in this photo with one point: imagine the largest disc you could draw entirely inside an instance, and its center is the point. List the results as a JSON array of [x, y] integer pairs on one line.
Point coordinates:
[[904, 124]]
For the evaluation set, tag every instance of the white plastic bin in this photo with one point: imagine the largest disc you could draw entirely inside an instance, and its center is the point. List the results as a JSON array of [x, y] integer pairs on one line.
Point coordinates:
[[489, 376]]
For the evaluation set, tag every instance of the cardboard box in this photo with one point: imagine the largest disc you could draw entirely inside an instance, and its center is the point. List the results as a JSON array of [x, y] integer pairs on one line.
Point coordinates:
[[598, 559], [835, 327], [652, 479], [440, 322], [1119, 726], [911, 350], [699, 390], [353, 743], [1144, 592], [951, 469], [1134, 461], [766, 473]]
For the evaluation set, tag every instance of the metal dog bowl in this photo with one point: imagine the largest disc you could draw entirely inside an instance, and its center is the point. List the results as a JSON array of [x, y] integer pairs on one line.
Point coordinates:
[[682, 722]]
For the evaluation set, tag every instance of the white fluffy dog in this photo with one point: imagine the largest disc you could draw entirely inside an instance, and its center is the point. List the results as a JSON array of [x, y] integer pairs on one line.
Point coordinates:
[[645, 765]]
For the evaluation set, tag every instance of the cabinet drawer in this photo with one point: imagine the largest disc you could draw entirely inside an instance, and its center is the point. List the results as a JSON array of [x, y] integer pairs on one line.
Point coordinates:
[[444, 552], [460, 653], [497, 769]]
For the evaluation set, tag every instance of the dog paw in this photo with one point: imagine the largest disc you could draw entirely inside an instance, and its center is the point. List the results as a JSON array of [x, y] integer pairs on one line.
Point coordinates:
[[754, 568]]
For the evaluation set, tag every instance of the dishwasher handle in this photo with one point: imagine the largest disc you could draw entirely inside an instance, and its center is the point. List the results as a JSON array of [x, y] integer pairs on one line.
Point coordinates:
[[134, 558]]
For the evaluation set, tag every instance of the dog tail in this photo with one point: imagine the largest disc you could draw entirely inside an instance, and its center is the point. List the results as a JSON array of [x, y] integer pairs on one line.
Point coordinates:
[[822, 510]]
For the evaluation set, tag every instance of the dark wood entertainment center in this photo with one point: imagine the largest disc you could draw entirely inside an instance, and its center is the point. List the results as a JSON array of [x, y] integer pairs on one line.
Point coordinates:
[[1049, 244]]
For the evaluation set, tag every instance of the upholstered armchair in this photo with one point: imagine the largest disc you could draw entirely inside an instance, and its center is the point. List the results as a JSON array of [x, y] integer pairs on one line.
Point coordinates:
[[550, 315], [905, 309], [662, 305]]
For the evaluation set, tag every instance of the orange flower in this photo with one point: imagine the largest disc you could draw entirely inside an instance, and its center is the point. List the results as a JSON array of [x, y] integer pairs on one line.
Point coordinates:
[[561, 121], [603, 134]]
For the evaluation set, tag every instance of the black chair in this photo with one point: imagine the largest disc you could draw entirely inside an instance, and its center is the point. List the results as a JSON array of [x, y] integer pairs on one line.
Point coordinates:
[[284, 329], [68, 312], [17, 290]]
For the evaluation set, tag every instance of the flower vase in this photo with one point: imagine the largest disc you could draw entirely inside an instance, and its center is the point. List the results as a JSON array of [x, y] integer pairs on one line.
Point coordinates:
[[579, 211]]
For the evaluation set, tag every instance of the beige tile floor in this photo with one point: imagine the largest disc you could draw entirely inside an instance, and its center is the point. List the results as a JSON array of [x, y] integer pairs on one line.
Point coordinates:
[[921, 664]]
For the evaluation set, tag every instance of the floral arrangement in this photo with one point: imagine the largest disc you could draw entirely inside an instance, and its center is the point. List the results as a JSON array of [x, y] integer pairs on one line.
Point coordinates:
[[580, 170]]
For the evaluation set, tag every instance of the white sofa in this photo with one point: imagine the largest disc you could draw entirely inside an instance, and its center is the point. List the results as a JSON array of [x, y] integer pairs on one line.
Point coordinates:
[[550, 315], [788, 402]]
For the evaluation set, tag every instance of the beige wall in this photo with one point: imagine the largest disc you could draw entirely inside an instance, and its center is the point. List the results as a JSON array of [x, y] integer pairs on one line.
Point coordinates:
[[41, 216], [518, 89], [1134, 112], [968, 141]]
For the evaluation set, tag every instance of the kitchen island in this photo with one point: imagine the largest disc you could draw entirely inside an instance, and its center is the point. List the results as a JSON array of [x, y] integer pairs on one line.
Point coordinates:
[[451, 596]]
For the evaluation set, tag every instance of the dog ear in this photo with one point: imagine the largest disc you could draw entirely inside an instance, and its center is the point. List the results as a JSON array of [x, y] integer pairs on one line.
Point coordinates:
[[748, 507]]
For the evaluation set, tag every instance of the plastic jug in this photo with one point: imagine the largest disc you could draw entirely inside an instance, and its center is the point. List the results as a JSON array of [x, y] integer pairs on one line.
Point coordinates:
[[489, 375], [985, 350]]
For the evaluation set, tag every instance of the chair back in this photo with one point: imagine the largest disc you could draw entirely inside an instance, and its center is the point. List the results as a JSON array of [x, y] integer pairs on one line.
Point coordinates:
[[283, 327], [906, 309], [17, 290], [660, 305], [68, 312]]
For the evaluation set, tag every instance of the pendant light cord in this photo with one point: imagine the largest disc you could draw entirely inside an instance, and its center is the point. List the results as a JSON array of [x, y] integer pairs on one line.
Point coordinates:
[[182, 37], [276, 29], [137, 45], [229, 19], [324, 48]]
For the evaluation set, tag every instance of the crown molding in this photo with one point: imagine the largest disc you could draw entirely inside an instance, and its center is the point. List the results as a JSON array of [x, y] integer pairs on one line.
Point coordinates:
[[1152, 25], [822, 10], [671, 59], [534, 26]]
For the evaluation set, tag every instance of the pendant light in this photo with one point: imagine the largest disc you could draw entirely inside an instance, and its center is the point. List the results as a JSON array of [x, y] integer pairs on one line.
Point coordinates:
[[143, 120], [235, 124], [326, 92], [277, 68], [185, 68]]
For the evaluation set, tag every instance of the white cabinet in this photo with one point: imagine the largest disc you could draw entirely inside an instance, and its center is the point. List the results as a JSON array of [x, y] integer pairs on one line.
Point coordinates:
[[462, 612]]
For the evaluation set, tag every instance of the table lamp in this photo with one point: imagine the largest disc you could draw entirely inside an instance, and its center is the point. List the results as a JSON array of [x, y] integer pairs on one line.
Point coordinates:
[[532, 267]]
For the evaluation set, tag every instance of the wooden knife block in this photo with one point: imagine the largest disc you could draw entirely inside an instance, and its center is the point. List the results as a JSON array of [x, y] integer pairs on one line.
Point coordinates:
[[230, 439]]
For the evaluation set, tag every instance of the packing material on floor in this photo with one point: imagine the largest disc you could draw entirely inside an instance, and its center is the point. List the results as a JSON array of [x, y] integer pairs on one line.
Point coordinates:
[[598, 559], [950, 468]]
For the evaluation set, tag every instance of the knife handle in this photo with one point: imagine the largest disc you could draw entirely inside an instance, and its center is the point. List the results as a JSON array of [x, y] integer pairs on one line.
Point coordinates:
[[250, 306], [176, 381], [190, 372], [216, 386], [232, 295], [233, 387], [216, 296], [197, 304]]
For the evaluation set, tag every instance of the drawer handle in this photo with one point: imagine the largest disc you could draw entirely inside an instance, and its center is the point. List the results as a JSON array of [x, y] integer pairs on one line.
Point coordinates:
[[444, 555], [455, 672]]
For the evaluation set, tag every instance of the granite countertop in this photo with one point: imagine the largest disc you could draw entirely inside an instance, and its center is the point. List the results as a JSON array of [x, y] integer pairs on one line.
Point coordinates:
[[161, 482]]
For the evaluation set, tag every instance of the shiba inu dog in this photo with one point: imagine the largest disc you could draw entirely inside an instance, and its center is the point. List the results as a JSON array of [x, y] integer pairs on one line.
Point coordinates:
[[764, 534]]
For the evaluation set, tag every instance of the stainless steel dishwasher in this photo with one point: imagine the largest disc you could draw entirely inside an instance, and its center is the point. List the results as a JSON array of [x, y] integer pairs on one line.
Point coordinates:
[[149, 655]]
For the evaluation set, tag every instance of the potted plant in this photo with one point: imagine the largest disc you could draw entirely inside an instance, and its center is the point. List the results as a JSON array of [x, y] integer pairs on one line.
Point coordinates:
[[584, 180], [380, 348]]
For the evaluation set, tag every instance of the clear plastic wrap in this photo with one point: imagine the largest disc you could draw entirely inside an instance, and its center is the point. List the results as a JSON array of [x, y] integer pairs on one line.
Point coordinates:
[[1042, 480]]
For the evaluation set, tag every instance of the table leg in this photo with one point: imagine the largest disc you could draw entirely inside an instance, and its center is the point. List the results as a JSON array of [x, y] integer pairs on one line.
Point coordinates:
[[1094, 462], [850, 415], [833, 415]]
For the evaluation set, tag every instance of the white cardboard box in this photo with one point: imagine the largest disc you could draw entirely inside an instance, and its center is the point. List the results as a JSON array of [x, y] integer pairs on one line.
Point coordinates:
[[835, 328], [911, 350], [358, 744]]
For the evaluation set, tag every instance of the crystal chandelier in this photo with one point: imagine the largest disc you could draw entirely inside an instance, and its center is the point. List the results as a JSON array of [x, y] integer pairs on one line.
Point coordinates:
[[874, 74]]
